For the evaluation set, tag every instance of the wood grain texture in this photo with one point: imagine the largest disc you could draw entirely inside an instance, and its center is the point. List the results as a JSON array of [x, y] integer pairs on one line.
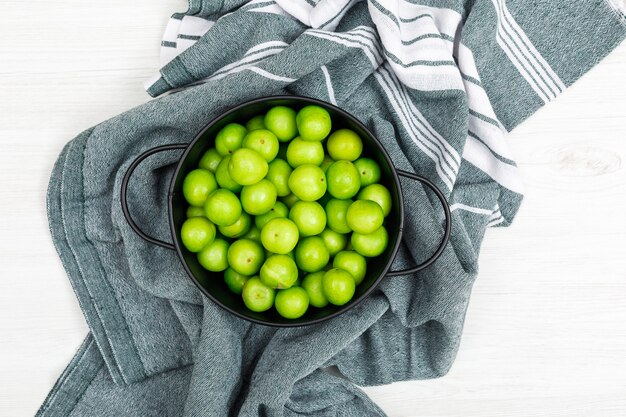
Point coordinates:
[[546, 327]]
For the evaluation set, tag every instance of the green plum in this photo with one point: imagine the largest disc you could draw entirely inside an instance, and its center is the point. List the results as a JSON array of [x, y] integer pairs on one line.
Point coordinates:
[[222, 207], [259, 198], [279, 271], [278, 174], [280, 236], [312, 284], [210, 160], [257, 296], [344, 144], [352, 262], [328, 161], [312, 254], [343, 180], [372, 244], [290, 200], [245, 256], [300, 152], [193, 211], [264, 142], [279, 210], [253, 234], [196, 233], [377, 193], [336, 215], [281, 121], [314, 123], [292, 303], [230, 138], [234, 280], [256, 123], [364, 216], [197, 186], [223, 177], [247, 166], [335, 242], [307, 182], [214, 256], [368, 170], [309, 216], [338, 286], [237, 229]]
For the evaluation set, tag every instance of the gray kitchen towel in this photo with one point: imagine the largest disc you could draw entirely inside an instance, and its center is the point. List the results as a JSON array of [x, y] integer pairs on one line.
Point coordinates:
[[438, 82]]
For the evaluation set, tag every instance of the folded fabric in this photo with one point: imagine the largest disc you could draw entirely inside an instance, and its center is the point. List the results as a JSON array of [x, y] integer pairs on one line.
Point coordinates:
[[438, 82]]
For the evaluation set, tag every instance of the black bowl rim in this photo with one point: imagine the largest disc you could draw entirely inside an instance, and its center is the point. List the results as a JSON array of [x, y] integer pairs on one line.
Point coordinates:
[[310, 100]]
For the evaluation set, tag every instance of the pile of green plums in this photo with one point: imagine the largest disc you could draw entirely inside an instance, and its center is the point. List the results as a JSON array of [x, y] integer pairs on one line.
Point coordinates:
[[288, 209]]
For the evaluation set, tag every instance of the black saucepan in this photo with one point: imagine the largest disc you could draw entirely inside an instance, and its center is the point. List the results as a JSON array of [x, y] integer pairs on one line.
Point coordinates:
[[212, 284]]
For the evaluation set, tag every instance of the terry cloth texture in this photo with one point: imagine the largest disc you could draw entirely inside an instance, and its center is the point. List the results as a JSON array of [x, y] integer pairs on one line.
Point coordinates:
[[438, 82]]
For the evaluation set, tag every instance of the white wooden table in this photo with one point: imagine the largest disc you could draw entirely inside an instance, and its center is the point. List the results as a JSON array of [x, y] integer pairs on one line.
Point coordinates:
[[546, 328]]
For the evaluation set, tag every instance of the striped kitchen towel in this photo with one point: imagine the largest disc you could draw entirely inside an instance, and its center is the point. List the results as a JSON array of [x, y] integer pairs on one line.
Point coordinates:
[[438, 82]]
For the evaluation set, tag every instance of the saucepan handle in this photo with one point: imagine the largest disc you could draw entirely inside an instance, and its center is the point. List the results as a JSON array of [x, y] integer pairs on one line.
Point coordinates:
[[124, 192], [447, 228]]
